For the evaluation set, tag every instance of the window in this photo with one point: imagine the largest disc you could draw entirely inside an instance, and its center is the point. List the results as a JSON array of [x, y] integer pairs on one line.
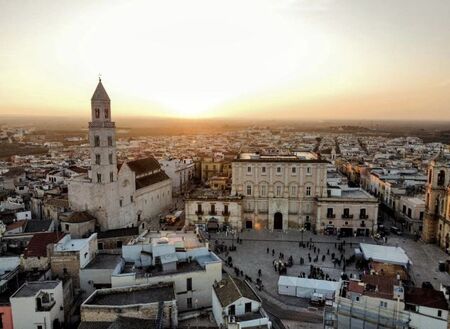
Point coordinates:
[[383, 304], [346, 213], [249, 190], [278, 170], [294, 170], [441, 178], [99, 177], [308, 170], [308, 191], [106, 113], [249, 170], [225, 209], [110, 141], [97, 159], [97, 113], [213, 209], [278, 190], [118, 244], [409, 212], [100, 246], [189, 284], [111, 177], [404, 209], [120, 202], [39, 326], [67, 227], [357, 298], [96, 141], [263, 190], [421, 215], [362, 213], [131, 198], [189, 302], [293, 191], [199, 208], [439, 313], [248, 307], [110, 156], [263, 170], [330, 213], [232, 310]]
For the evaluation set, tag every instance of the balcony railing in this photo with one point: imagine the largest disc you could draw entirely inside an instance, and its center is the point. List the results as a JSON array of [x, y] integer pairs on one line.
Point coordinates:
[[199, 212], [349, 216], [363, 225], [331, 215], [361, 216], [212, 212], [225, 213]]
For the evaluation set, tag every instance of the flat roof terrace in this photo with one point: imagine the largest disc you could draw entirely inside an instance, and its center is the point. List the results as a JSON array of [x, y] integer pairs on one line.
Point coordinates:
[[296, 157], [132, 295], [104, 261], [182, 267]]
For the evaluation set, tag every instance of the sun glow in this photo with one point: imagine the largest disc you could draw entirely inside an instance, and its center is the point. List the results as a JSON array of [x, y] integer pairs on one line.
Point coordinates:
[[213, 58]]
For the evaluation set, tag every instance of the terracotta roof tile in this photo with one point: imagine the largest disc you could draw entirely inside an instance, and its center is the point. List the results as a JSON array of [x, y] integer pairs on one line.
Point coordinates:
[[37, 247]]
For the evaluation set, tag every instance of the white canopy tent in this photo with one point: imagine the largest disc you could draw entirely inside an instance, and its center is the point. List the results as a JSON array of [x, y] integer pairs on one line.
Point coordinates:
[[305, 288], [385, 254]]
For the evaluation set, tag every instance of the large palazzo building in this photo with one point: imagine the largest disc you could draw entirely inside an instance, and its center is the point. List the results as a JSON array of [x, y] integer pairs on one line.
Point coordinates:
[[278, 192], [436, 225], [117, 195]]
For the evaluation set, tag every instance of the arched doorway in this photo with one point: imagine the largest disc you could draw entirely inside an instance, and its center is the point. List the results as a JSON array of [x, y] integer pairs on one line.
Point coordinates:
[[278, 221]]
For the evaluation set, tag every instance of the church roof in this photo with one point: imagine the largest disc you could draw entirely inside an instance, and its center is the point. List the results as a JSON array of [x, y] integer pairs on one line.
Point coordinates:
[[100, 93], [151, 179], [143, 166]]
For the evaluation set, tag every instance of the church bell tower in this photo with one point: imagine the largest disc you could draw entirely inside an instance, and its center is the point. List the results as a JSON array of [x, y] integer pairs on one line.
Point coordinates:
[[435, 228], [102, 138]]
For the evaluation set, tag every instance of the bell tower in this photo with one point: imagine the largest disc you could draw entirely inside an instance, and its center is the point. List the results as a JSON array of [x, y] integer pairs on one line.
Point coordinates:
[[102, 138], [436, 200]]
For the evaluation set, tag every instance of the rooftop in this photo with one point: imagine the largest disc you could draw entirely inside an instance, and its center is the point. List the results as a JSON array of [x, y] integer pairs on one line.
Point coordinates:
[[229, 290], [68, 244], [104, 261], [37, 247], [30, 289], [295, 157], [182, 267], [144, 294]]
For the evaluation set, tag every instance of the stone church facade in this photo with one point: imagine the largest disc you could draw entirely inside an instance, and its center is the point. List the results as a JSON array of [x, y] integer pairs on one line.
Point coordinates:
[[117, 195]]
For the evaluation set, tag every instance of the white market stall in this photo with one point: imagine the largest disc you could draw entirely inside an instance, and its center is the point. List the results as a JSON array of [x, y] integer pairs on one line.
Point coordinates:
[[305, 288]]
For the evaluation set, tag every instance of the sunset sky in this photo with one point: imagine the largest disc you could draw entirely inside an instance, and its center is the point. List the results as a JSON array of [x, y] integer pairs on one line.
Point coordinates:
[[262, 59]]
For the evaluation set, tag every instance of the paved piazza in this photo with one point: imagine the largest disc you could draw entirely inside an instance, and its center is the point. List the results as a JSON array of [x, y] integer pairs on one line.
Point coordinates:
[[251, 255]]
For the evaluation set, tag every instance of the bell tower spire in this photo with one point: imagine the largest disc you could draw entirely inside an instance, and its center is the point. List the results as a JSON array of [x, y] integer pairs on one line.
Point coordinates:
[[102, 138]]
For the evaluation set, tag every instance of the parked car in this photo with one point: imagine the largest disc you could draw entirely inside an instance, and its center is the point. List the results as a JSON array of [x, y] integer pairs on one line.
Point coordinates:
[[396, 230]]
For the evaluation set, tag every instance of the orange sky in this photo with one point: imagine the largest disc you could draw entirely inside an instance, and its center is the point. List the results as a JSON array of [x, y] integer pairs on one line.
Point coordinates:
[[262, 59]]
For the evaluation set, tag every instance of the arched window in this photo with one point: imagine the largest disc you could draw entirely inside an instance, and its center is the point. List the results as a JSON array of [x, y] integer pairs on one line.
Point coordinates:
[[106, 113], [441, 178], [97, 113]]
